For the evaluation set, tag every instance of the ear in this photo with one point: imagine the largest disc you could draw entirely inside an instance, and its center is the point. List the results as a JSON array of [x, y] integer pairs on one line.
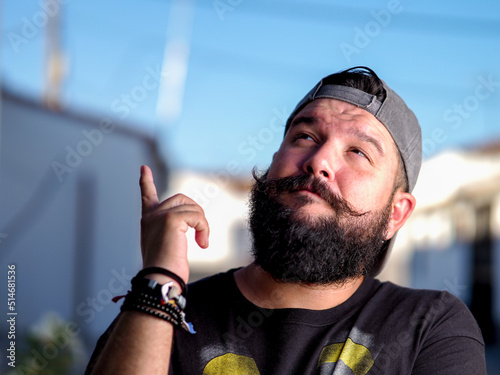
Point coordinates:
[[402, 207]]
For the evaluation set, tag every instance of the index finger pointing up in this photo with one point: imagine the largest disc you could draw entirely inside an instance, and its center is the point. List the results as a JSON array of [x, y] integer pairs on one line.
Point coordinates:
[[148, 190]]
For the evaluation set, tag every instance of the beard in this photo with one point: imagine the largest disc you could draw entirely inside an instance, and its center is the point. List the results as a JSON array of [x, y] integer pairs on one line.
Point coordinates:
[[326, 249]]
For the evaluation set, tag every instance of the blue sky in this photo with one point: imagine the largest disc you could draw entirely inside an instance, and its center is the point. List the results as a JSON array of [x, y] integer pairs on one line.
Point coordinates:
[[250, 62]]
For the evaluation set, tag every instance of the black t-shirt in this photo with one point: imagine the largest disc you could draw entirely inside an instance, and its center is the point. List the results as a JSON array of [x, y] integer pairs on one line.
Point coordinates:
[[381, 329]]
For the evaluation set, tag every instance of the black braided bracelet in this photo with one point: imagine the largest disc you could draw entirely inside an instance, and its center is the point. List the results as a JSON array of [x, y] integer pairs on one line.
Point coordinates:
[[172, 312], [167, 308], [163, 271], [134, 299], [149, 311], [155, 300]]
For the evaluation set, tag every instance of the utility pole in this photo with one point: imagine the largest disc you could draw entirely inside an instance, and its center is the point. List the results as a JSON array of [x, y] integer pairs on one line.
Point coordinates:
[[54, 60]]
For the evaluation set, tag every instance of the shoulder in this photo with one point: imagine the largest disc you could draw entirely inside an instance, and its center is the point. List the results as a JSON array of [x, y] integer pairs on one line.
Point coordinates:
[[438, 311], [434, 329], [397, 295]]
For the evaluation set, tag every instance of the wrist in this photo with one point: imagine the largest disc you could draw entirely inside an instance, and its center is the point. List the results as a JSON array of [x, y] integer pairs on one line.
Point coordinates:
[[180, 268], [163, 279], [161, 301]]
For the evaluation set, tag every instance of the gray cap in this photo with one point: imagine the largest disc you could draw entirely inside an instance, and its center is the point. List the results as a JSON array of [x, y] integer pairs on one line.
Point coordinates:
[[393, 113]]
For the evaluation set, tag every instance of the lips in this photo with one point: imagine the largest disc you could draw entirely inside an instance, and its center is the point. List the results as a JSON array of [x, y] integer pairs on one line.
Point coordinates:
[[310, 190]]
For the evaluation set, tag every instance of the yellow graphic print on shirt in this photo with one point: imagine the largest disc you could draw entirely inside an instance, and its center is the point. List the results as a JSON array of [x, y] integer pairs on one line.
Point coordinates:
[[231, 364], [355, 356]]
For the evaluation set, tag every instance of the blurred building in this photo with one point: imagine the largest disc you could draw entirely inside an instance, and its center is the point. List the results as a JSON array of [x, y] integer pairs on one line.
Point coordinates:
[[70, 210], [223, 198]]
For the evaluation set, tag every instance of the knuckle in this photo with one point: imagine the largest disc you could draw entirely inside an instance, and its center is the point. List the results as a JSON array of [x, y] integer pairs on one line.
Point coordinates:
[[178, 196]]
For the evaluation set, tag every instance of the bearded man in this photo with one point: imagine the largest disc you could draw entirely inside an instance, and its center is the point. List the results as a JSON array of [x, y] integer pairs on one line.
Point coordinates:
[[323, 219]]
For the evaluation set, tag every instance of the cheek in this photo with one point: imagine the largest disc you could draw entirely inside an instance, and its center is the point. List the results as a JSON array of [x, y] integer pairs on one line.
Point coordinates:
[[283, 164], [363, 194], [276, 170], [356, 192]]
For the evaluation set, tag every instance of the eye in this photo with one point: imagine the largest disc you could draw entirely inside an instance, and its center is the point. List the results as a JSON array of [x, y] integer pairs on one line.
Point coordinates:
[[357, 151], [304, 136]]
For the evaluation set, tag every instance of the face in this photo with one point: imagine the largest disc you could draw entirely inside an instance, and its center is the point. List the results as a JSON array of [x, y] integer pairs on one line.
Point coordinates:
[[323, 209], [345, 147]]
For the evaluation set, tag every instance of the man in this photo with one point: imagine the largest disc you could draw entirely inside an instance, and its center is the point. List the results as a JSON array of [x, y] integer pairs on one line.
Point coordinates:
[[323, 218]]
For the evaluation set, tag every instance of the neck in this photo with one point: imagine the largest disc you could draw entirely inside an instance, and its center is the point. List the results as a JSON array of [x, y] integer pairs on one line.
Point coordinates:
[[260, 288]]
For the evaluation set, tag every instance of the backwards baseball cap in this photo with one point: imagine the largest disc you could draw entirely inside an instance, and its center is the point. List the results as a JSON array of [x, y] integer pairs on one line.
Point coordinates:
[[389, 109]]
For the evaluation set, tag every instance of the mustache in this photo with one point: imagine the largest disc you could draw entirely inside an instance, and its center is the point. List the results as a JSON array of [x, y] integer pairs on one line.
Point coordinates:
[[274, 186]]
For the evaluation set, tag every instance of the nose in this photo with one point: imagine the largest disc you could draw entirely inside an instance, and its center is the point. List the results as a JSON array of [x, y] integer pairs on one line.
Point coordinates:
[[322, 162]]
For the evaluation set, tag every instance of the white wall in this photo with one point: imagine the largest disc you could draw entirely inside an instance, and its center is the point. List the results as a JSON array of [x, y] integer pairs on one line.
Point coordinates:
[[224, 202]]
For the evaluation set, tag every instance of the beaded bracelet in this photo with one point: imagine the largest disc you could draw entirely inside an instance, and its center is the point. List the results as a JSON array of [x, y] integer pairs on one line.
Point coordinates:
[[161, 301], [175, 315], [150, 301], [144, 309]]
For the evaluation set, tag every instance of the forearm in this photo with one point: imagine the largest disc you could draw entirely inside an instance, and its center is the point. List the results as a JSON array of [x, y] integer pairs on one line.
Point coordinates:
[[139, 344]]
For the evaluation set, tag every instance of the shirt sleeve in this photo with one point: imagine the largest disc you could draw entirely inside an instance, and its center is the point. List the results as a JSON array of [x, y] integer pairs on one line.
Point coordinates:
[[100, 346], [454, 344]]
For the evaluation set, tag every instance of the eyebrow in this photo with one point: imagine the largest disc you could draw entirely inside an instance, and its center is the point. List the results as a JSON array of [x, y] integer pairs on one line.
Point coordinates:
[[362, 136], [303, 120]]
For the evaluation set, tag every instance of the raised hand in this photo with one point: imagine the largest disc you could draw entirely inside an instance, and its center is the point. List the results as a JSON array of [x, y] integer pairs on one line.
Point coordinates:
[[164, 226]]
